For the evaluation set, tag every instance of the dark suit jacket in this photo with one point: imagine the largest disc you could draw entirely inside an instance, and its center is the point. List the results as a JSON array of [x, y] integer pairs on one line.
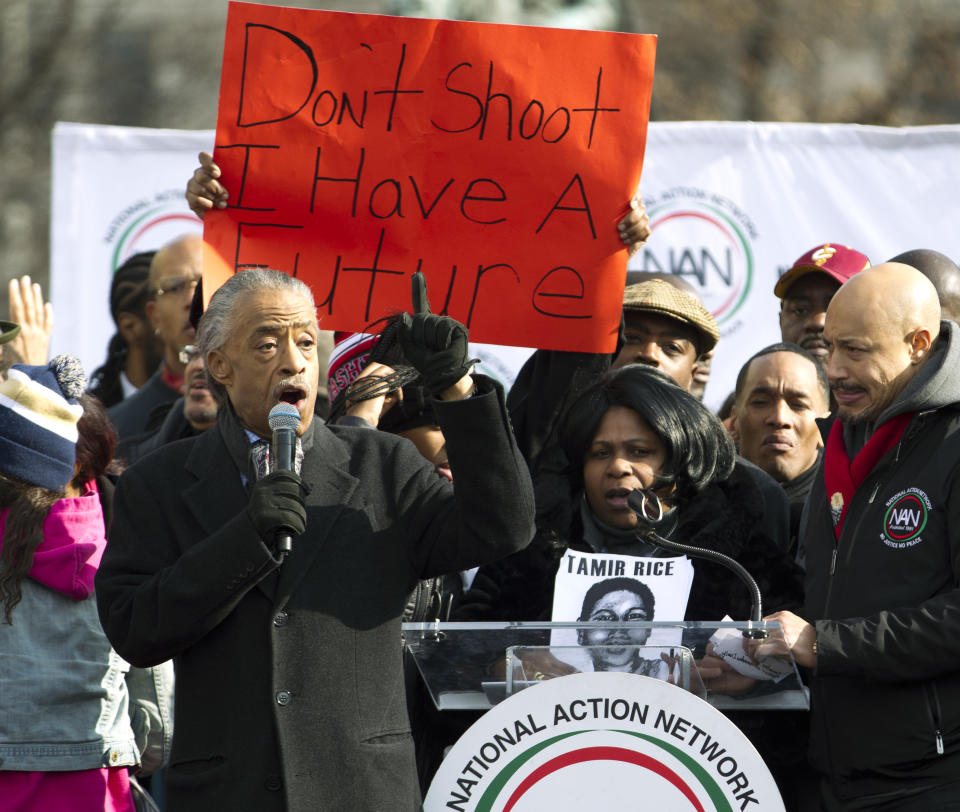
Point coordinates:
[[174, 426], [289, 685], [130, 415]]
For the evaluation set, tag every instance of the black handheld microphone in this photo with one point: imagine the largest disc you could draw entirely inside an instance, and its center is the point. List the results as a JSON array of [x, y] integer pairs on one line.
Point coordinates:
[[283, 421]]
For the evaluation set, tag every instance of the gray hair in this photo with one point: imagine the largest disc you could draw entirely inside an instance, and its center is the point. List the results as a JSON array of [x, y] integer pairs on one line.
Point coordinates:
[[216, 325]]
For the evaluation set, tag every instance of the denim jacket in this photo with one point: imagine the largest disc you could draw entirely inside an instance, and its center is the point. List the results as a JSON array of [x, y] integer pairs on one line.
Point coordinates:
[[64, 701]]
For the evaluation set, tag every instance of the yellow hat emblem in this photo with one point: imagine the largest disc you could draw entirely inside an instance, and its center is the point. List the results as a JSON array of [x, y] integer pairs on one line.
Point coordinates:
[[821, 255]]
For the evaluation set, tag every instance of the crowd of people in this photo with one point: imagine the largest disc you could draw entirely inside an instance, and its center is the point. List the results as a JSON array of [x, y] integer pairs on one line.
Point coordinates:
[[266, 599]]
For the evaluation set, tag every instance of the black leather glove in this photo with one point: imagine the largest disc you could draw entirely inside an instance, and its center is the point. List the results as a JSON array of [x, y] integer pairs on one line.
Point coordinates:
[[436, 346], [276, 503]]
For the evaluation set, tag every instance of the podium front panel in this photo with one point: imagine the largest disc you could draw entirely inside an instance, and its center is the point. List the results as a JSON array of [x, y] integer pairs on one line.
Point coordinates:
[[476, 665]]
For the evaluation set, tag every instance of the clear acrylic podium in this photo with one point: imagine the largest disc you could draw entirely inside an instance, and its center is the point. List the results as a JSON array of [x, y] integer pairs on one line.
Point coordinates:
[[473, 666]]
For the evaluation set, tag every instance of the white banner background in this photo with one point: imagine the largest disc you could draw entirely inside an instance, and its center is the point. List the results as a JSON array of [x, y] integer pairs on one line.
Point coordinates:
[[731, 206], [116, 191]]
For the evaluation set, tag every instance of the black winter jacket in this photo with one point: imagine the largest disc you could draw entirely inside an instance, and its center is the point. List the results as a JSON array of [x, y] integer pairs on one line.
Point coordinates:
[[726, 517], [886, 603]]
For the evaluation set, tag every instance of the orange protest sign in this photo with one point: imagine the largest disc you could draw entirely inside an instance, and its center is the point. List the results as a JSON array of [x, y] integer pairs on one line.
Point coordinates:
[[359, 149]]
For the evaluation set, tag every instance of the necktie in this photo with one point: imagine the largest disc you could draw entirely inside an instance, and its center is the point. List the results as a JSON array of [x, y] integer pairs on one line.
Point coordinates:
[[260, 458]]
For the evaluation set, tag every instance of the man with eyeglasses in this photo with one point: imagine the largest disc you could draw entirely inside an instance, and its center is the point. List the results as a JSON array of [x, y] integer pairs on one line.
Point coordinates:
[[174, 273], [190, 415]]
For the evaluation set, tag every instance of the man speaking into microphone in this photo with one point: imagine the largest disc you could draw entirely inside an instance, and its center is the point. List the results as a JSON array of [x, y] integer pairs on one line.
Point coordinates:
[[289, 688]]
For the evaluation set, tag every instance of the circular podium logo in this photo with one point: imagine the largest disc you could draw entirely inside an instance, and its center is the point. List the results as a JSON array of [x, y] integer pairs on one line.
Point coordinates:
[[603, 741]]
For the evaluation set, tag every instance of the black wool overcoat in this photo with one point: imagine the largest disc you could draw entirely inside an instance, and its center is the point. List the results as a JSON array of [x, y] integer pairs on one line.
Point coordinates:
[[289, 689]]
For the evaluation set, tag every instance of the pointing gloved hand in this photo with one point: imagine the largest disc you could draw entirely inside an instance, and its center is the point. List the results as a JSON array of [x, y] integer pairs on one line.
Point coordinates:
[[435, 345], [276, 503]]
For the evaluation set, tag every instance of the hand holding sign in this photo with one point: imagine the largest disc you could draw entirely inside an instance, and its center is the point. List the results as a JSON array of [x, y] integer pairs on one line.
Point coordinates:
[[634, 227], [204, 190], [435, 345]]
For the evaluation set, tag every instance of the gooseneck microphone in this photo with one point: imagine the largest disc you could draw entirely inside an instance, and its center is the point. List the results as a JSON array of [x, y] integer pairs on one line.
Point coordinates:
[[650, 517], [283, 421]]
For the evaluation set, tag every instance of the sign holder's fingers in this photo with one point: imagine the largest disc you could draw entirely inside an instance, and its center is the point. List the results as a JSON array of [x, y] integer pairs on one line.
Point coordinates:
[[203, 183], [418, 287], [206, 161]]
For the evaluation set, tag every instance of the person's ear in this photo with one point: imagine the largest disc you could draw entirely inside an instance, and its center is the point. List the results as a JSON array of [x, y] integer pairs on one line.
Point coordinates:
[[730, 424], [919, 341], [219, 367], [150, 308]]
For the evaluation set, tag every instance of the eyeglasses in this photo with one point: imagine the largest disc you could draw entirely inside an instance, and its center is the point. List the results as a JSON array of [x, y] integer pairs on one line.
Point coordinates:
[[174, 287], [188, 352]]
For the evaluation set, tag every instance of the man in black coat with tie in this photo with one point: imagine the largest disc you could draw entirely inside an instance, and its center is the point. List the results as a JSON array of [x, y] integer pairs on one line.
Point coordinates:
[[289, 685]]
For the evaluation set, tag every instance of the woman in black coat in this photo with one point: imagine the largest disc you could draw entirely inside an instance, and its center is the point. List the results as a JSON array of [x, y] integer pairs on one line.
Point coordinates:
[[635, 428]]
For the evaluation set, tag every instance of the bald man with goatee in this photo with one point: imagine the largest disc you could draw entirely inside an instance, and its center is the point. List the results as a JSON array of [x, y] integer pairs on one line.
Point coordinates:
[[881, 624]]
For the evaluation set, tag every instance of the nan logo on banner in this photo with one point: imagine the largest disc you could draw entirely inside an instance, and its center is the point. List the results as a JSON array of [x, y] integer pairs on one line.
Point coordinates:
[[707, 240]]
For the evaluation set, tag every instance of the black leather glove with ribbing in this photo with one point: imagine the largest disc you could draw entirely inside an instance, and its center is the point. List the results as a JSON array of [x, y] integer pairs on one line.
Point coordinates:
[[436, 346], [276, 505]]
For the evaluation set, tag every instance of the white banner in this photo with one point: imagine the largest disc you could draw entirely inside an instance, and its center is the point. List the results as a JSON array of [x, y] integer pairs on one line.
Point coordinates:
[[116, 191], [732, 205]]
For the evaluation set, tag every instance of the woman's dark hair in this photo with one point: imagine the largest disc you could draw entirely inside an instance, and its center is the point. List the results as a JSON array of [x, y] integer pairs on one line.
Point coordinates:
[[698, 449], [96, 442], [601, 588], [29, 504], [22, 533], [129, 293]]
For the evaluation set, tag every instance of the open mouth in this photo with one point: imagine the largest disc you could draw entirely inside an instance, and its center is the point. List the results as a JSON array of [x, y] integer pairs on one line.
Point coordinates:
[[443, 469], [292, 393], [617, 498]]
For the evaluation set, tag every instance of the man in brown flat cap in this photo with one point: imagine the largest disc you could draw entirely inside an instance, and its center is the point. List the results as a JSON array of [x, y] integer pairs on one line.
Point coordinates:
[[665, 328]]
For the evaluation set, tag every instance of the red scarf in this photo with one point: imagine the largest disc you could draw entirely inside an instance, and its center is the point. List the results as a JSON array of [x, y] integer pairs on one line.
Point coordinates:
[[171, 379], [842, 477]]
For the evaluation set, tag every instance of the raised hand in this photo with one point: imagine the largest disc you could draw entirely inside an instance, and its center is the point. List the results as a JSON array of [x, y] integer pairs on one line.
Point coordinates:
[[35, 317], [435, 345]]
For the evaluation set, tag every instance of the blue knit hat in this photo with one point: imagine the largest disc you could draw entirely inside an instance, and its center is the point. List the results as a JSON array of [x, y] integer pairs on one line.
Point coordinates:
[[38, 421]]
